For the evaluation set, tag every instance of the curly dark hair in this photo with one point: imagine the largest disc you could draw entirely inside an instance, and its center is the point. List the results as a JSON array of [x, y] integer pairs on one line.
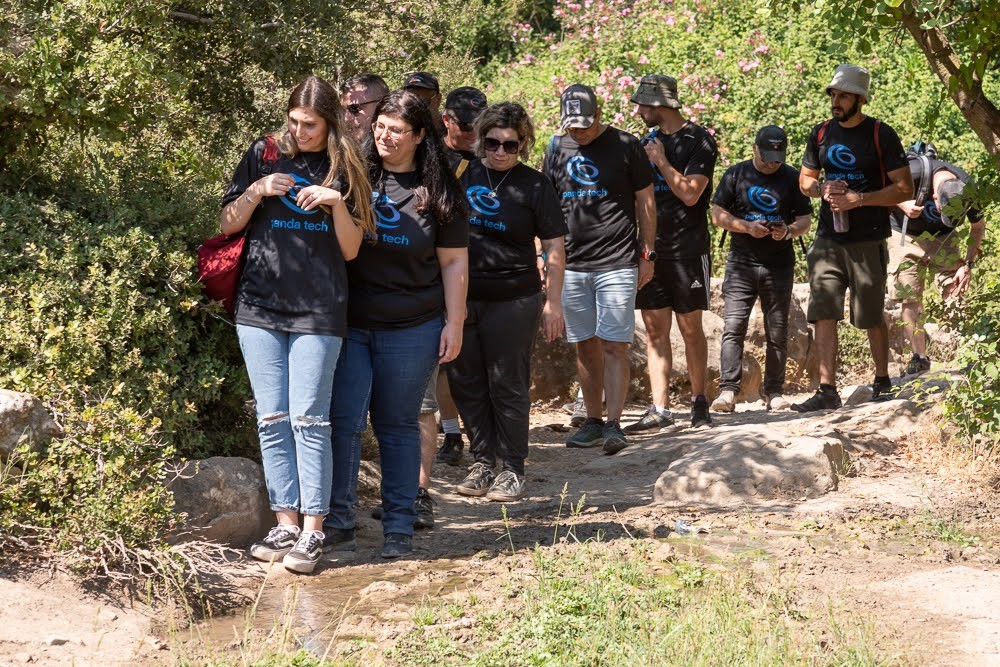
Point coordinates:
[[506, 115], [438, 192]]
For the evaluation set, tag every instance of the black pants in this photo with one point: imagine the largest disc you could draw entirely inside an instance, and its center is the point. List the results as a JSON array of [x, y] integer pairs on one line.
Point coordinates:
[[744, 282], [490, 378]]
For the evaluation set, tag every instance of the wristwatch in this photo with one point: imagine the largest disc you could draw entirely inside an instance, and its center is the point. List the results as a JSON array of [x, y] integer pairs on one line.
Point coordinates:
[[648, 255], [970, 263]]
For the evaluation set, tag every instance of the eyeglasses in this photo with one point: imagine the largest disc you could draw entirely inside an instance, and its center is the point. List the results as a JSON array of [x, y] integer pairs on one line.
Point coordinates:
[[462, 125], [355, 109], [394, 132], [493, 145]]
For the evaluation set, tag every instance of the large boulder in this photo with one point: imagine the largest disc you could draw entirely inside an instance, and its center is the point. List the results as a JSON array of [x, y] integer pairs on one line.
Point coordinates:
[[225, 500], [22, 416]]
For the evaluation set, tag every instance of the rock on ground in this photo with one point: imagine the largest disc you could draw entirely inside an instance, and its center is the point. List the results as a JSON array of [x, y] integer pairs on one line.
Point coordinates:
[[23, 416]]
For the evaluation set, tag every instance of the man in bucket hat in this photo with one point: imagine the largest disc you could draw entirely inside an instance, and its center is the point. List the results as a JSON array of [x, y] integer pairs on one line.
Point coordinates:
[[866, 172], [682, 155], [758, 201], [603, 180]]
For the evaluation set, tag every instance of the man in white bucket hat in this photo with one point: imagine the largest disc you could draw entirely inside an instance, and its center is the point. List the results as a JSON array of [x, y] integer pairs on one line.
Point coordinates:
[[865, 172]]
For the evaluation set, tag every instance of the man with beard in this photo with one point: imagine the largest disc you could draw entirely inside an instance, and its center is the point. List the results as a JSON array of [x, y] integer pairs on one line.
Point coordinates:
[[866, 172], [358, 96], [683, 158]]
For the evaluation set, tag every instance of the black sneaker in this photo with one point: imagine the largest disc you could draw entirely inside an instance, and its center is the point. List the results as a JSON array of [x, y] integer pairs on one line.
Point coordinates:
[[450, 452], [477, 482], [699, 412], [339, 539], [591, 434], [506, 488], [883, 391], [821, 400], [651, 421], [424, 507], [396, 545], [304, 556], [918, 364], [614, 438], [279, 541]]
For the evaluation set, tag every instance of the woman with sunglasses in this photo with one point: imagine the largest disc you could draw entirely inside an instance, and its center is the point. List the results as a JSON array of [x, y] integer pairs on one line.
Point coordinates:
[[510, 205], [303, 199], [405, 312]]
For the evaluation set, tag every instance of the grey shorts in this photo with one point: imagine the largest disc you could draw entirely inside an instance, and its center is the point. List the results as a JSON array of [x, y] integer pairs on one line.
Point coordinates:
[[836, 267], [601, 304], [430, 403]]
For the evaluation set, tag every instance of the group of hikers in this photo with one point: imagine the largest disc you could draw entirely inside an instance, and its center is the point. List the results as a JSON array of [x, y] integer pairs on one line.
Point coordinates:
[[400, 258]]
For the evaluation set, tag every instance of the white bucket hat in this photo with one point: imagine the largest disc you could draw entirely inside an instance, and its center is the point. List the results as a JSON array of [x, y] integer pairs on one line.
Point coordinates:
[[851, 79]]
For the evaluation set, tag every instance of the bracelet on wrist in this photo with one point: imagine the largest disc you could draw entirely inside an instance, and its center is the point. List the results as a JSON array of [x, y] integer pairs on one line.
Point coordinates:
[[246, 195]]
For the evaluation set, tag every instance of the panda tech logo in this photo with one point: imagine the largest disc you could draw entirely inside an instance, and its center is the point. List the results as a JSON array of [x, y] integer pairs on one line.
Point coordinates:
[[762, 199], [385, 211], [288, 199], [841, 157], [480, 200], [582, 170]]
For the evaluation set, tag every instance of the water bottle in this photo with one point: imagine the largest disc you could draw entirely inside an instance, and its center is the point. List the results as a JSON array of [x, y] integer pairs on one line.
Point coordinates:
[[841, 221]]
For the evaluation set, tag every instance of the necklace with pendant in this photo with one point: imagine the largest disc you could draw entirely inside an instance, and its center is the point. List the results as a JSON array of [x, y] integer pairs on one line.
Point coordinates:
[[493, 190]]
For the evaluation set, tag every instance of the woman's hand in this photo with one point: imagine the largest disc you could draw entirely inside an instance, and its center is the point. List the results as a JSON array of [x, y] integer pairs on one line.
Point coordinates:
[[316, 195], [451, 341], [272, 185], [552, 321]]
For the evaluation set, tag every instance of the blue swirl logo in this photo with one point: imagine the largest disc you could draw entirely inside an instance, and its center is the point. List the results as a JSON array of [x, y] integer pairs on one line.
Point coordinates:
[[385, 211], [931, 211], [582, 170], [288, 199], [480, 200], [841, 157], [762, 199]]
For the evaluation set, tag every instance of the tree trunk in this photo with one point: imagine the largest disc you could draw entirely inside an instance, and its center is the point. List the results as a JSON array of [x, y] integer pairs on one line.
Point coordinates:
[[982, 115]]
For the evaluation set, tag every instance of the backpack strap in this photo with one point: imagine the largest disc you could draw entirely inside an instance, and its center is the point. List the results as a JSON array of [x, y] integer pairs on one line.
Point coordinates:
[[926, 179], [821, 133], [878, 149], [461, 167]]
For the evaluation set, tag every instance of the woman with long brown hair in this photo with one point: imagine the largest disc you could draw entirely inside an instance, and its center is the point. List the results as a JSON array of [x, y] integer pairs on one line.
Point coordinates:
[[303, 199]]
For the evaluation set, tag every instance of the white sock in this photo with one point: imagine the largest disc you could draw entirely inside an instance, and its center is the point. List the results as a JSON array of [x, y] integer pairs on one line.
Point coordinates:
[[450, 425], [661, 410]]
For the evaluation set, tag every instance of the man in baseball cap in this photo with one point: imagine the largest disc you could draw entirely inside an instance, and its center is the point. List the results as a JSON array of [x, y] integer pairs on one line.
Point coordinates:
[[425, 86], [461, 109], [578, 108]]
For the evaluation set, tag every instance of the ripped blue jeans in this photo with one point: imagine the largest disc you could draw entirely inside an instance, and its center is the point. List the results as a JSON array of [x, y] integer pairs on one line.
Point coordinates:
[[292, 379]]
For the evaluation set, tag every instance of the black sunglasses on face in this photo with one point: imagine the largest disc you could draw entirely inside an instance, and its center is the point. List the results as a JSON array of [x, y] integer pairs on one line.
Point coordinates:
[[462, 125], [355, 109], [493, 145]]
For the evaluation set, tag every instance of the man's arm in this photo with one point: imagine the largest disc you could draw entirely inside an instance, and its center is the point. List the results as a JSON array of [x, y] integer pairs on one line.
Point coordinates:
[[645, 208], [900, 189], [686, 188], [726, 220]]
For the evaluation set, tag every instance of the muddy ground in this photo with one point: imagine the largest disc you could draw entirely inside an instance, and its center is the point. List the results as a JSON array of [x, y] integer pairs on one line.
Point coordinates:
[[909, 540]]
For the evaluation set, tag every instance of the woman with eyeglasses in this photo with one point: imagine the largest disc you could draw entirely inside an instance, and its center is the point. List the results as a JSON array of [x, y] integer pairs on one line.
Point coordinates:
[[510, 205], [405, 312], [303, 200]]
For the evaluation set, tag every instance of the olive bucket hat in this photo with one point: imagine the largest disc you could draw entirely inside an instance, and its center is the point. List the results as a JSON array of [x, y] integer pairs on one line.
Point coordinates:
[[657, 90], [851, 79]]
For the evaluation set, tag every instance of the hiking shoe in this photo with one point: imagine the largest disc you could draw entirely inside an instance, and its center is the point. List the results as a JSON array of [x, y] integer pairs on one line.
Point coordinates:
[[883, 391], [339, 539], [591, 434], [699, 412], [424, 506], [614, 438], [507, 487], [279, 541], [777, 402], [821, 400], [579, 413], [477, 482], [918, 364], [726, 402], [396, 545], [450, 452], [306, 552], [651, 421]]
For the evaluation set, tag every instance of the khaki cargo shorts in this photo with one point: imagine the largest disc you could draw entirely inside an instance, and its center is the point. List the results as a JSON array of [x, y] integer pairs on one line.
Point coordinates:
[[908, 265], [836, 267]]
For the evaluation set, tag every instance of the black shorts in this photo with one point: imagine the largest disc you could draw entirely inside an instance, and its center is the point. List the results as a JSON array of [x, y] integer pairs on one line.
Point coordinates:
[[681, 284]]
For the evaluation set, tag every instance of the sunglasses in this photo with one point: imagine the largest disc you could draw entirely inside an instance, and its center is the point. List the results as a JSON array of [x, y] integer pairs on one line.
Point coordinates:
[[355, 109], [493, 145], [462, 125]]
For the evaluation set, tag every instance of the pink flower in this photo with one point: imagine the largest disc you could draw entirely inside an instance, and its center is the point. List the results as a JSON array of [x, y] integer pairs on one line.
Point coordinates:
[[643, 60], [719, 53], [619, 118]]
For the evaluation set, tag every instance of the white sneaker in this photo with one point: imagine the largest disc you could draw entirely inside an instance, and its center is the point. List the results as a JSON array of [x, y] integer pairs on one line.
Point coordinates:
[[777, 402], [726, 402]]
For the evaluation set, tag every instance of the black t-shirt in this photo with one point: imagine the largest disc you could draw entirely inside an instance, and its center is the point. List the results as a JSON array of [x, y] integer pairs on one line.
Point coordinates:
[[396, 280], [293, 277], [929, 220], [765, 198], [849, 154], [596, 185], [454, 157], [502, 229], [682, 230]]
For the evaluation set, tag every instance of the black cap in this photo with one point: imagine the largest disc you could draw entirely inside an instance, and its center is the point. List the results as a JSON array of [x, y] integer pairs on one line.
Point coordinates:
[[772, 142], [578, 107], [466, 103], [421, 80]]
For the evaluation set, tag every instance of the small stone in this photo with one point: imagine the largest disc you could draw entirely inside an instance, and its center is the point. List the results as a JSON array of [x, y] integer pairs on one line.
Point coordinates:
[[56, 641]]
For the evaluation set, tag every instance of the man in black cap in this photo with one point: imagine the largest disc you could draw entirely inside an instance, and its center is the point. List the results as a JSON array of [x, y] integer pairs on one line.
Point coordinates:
[[924, 239], [603, 180], [683, 157], [358, 96], [758, 201], [425, 86], [461, 109]]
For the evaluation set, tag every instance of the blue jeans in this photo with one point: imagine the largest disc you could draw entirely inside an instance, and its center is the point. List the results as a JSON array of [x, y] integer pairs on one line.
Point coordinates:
[[292, 377], [384, 373]]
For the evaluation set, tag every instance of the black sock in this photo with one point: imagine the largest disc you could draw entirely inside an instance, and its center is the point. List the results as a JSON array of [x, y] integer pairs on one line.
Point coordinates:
[[882, 380], [828, 388]]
